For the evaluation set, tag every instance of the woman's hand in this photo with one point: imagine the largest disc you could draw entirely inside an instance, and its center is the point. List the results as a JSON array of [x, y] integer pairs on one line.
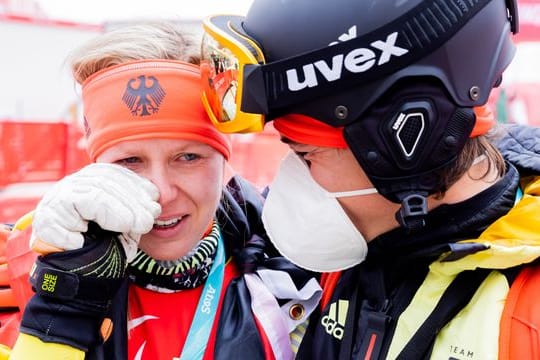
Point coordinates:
[[115, 198]]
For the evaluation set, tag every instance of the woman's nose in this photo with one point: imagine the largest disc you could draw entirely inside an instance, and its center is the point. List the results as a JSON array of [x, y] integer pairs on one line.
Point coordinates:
[[168, 190]]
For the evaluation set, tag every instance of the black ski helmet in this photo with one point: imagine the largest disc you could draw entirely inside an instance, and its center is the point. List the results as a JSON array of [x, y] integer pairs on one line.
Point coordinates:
[[405, 124]]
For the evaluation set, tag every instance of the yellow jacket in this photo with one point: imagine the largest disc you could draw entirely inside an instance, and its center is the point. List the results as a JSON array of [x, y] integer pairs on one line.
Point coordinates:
[[512, 240]]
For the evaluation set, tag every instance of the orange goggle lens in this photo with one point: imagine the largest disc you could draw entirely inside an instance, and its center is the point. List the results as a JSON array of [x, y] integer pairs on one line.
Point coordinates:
[[219, 70], [225, 52]]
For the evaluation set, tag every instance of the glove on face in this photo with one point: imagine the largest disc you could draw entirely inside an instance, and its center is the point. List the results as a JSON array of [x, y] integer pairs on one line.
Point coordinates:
[[116, 198], [74, 290]]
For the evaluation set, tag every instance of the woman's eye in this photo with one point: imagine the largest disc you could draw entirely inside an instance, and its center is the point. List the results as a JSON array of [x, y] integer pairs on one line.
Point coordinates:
[[189, 157], [303, 155], [128, 161]]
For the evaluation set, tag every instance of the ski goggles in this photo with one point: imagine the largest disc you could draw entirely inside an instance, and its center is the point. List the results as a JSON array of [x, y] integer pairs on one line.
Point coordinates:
[[241, 90]]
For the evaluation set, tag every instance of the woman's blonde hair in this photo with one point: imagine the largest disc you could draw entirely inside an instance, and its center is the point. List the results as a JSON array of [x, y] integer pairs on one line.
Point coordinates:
[[149, 40]]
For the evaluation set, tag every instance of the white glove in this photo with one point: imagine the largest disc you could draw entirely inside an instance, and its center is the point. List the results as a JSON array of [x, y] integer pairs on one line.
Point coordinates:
[[115, 198]]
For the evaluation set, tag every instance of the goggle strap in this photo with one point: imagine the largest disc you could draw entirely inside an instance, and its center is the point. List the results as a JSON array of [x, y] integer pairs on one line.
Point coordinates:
[[405, 40], [513, 15]]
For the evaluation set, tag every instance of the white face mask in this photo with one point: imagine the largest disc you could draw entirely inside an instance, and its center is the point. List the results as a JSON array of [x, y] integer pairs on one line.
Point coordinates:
[[307, 224]]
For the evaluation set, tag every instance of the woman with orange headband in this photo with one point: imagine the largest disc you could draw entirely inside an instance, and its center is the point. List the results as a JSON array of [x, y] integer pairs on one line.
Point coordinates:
[[142, 250]]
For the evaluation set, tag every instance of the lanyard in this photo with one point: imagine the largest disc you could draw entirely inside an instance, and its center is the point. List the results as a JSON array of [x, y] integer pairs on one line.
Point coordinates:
[[519, 195], [199, 332]]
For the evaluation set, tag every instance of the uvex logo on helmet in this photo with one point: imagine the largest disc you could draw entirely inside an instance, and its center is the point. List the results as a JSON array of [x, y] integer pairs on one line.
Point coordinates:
[[355, 61]]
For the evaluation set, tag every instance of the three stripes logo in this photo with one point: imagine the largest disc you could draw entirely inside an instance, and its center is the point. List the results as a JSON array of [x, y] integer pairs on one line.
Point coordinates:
[[334, 322]]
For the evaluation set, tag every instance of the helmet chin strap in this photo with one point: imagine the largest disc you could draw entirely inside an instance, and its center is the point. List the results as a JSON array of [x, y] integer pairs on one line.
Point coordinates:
[[412, 212], [405, 141]]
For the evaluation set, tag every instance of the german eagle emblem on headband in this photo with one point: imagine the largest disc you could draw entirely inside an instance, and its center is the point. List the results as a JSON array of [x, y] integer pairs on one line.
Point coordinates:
[[143, 95]]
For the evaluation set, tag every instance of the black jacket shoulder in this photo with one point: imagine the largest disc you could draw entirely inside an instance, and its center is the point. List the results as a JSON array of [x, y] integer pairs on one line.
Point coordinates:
[[520, 145]]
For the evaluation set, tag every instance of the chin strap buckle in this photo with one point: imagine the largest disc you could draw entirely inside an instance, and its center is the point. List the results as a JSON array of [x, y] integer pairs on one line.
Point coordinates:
[[412, 213]]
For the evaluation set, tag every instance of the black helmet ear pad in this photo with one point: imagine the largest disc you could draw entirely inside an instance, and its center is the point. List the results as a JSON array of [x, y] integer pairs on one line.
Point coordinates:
[[407, 136]]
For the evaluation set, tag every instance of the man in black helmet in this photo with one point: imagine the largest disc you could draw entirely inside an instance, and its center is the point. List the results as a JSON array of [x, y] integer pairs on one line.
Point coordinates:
[[418, 213]]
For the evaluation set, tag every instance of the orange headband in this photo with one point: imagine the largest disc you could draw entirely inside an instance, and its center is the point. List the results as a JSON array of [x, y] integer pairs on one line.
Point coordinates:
[[484, 120], [306, 130], [147, 99]]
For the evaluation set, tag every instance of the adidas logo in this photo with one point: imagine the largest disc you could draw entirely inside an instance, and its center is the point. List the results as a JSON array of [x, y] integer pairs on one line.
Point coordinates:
[[334, 322]]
